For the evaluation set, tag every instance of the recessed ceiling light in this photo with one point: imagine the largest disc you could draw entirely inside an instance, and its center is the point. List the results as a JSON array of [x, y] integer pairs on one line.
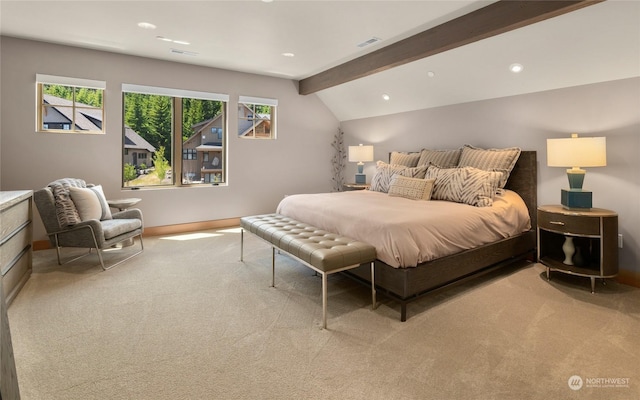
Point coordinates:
[[164, 39], [180, 42], [385, 97], [515, 68], [146, 25], [288, 54], [431, 74], [267, 1]]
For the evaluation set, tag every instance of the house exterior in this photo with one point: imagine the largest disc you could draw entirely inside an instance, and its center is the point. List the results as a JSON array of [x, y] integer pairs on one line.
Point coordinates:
[[255, 125], [59, 116], [202, 153], [137, 151]]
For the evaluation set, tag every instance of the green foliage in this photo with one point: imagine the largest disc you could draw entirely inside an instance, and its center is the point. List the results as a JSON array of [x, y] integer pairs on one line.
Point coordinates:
[[150, 116], [160, 163], [91, 97], [129, 172], [195, 111]]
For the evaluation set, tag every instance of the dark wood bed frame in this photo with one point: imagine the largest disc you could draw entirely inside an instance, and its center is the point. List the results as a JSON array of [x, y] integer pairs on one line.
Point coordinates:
[[408, 284]]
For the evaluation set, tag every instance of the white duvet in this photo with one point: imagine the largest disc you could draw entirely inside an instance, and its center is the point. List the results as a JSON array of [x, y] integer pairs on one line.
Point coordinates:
[[408, 232]]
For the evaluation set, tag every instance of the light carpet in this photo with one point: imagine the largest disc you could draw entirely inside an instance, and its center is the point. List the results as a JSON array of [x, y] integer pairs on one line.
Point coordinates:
[[187, 320]]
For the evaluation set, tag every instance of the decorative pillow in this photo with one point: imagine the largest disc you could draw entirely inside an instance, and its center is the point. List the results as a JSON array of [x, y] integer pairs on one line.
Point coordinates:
[[502, 160], [106, 211], [466, 185], [66, 211], [86, 202], [443, 158], [411, 188], [406, 159], [385, 172]]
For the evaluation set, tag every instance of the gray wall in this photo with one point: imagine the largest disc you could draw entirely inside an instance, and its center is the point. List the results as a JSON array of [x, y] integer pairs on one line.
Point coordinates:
[[610, 109], [260, 172]]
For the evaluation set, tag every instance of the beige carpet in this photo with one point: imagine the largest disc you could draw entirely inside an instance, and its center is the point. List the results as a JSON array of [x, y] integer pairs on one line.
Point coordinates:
[[187, 320]]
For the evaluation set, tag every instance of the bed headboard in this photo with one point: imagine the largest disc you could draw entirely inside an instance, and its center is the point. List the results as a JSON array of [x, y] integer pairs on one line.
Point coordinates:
[[524, 181]]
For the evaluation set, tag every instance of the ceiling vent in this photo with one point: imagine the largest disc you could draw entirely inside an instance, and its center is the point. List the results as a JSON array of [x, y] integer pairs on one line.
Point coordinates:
[[370, 41], [184, 52]]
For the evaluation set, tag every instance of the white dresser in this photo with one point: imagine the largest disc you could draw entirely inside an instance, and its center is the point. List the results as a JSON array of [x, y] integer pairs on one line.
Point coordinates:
[[16, 232]]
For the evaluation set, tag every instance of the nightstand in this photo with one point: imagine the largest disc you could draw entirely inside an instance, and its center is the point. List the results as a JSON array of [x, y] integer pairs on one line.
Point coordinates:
[[355, 186], [583, 243]]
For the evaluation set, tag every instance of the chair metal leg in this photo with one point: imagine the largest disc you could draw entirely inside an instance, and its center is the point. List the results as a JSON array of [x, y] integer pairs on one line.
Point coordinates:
[[121, 261], [99, 251], [241, 243]]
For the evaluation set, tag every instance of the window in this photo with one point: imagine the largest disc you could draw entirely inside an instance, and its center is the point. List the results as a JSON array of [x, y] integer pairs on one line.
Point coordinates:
[[257, 118], [189, 154], [162, 125], [69, 105]]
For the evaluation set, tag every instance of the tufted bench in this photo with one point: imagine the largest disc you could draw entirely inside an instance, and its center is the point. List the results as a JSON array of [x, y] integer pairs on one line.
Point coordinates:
[[322, 251]]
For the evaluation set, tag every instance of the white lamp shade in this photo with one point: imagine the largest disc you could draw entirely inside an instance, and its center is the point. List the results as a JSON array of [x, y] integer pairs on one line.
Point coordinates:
[[360, 153], [577, 152]]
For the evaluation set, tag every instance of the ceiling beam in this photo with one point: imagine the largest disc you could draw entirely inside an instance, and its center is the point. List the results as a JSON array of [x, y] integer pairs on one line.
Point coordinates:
[[494, 19]]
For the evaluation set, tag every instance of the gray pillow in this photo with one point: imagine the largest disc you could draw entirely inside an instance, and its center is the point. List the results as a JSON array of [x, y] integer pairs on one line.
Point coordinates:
[[442, 158], [406, 159], [502, 160]]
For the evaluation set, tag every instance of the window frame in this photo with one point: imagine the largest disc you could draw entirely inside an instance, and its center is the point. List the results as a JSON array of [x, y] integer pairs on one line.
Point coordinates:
[[177, 95], [258, 101], [75, 83]]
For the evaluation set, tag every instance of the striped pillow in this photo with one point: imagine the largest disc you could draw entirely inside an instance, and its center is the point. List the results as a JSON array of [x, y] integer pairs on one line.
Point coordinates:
[[406, 159], [443, 158], [502, 160], [466, 185], [66, 211], [411, 188], [385, 172]]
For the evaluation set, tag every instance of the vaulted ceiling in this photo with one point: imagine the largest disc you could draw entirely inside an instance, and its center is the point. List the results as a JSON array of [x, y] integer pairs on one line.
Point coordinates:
[[597, 43]]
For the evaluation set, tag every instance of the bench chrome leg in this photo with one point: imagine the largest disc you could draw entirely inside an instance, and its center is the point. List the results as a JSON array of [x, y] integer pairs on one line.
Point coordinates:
[[273, 267], [241, 244], [324, 300], [374, 304]]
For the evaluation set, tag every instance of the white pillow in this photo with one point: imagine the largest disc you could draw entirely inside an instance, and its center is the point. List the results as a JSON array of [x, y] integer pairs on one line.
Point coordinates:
[[106, 211], [411, 188], [86, 202]]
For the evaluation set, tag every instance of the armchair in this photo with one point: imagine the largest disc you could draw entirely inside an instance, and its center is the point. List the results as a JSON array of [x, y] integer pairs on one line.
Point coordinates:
[[69, 226]]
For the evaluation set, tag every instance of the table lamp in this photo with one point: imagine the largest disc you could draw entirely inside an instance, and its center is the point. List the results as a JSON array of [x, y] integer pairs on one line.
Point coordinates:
[[361, 154], [576, 152]]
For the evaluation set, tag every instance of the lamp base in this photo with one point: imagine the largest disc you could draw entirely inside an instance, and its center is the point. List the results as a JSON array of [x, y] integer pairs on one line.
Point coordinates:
[[576, 199], [361, 178]]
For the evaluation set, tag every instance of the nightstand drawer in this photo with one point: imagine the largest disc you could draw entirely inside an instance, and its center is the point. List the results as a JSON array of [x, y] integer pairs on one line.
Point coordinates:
[[573, 224]]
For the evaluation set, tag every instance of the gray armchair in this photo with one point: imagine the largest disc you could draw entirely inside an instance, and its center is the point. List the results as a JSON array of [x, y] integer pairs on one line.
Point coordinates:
[[64, 228]]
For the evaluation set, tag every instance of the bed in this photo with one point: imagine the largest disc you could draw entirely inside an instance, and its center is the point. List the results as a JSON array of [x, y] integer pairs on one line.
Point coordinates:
[[406, 269]]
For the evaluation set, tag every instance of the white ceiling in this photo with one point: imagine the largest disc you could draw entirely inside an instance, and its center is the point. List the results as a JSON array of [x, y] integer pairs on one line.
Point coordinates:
[[595, 44]]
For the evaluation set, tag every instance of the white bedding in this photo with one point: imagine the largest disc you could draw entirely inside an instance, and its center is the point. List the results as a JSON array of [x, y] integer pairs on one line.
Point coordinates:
[[408, 232]]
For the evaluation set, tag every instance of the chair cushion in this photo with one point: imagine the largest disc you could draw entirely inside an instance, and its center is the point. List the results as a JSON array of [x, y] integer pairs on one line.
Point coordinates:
[[117, 227]]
